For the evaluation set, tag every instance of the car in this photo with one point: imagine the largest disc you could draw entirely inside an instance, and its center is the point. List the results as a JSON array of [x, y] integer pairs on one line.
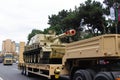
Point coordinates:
[[16, 62]]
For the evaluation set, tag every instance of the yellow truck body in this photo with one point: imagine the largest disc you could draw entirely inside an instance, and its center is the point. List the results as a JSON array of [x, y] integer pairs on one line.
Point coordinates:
[[96, 58], [8, 59], [100, 46]]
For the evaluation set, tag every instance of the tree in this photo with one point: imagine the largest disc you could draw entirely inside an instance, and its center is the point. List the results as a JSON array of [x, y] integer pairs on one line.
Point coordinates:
[[72, 21], [89, 13], [92, 13], [55, 21], [114, 25], [110, 3]]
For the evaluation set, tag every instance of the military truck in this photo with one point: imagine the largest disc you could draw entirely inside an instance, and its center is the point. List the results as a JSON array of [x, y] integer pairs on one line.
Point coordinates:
[[8, 59], [43, 55], [96, 58]]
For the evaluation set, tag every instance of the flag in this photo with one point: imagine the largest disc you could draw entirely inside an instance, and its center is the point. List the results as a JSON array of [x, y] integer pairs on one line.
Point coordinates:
[[112, 13], [119, 13]]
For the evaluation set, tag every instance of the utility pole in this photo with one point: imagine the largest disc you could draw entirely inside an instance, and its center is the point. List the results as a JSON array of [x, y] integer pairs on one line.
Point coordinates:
[[116, 5]]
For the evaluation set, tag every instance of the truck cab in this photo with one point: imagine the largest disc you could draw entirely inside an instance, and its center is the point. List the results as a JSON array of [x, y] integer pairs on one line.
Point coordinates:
[[8, 59]]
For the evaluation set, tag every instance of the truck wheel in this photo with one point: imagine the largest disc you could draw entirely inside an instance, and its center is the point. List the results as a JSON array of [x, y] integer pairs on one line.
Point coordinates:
[[29, 74], [104, 76], [92, 73], [82, 75]]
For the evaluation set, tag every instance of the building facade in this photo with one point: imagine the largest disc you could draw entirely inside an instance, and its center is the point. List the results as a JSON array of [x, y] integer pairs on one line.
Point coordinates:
[[8, 46]]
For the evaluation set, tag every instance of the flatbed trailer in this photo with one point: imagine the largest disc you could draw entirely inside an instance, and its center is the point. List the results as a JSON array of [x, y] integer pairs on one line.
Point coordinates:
[[43, 55], [45, 70]]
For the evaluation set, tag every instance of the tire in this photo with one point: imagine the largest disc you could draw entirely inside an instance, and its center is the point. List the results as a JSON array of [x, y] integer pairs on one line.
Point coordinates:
[[104, 76], [29, 74], [92, 73], [82, 75]]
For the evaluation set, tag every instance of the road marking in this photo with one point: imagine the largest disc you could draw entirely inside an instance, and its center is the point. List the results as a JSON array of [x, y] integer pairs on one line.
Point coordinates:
[[1, 78]]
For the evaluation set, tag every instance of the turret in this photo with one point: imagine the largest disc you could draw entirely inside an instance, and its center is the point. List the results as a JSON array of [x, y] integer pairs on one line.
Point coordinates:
[[42, 39]]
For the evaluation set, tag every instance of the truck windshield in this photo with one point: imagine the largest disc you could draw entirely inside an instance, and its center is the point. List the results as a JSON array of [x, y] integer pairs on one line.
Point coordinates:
[[8, 56]]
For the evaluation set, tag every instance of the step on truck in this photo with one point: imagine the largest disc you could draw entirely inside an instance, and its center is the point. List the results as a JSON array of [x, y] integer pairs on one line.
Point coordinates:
[[43, 55]]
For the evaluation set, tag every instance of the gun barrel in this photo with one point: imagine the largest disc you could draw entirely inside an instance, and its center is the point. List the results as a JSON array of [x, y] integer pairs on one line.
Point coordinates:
[[71, 32]]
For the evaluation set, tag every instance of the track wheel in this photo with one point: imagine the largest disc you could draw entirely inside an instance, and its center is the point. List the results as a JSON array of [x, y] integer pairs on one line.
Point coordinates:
[[104, 76], [82, 75]]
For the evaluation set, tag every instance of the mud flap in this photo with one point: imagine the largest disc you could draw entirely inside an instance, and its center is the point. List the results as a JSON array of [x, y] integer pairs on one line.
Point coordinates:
[[117, 79]]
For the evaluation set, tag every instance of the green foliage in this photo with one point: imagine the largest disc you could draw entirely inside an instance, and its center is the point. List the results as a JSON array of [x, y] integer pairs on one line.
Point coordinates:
[[110, 3], [91, 12], [56, 28], [88, 15], [88, 36], [112, 24], [55, 22]]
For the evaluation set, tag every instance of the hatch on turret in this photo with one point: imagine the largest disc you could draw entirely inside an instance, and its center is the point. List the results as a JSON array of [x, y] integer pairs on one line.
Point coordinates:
[[38, 38]]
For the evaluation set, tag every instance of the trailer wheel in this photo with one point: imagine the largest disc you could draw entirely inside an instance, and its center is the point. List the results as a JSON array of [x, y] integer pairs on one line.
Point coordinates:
[[82, 75], [104, 76], [29, 74]]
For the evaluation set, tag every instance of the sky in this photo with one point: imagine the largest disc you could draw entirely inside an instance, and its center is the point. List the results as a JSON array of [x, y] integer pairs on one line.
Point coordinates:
[[19, 17]]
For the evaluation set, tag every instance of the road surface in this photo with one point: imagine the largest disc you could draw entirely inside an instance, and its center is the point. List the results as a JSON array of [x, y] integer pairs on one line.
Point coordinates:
[[11, 72]]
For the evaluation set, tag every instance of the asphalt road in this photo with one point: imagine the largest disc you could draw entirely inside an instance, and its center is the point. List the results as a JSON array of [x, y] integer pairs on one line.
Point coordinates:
[[11, 72]]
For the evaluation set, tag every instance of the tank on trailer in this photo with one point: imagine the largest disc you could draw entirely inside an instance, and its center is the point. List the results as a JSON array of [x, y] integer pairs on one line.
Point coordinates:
[[43, 55]]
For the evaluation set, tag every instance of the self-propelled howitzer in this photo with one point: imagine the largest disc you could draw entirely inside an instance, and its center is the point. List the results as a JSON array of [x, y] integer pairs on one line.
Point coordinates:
[[46, 48]]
